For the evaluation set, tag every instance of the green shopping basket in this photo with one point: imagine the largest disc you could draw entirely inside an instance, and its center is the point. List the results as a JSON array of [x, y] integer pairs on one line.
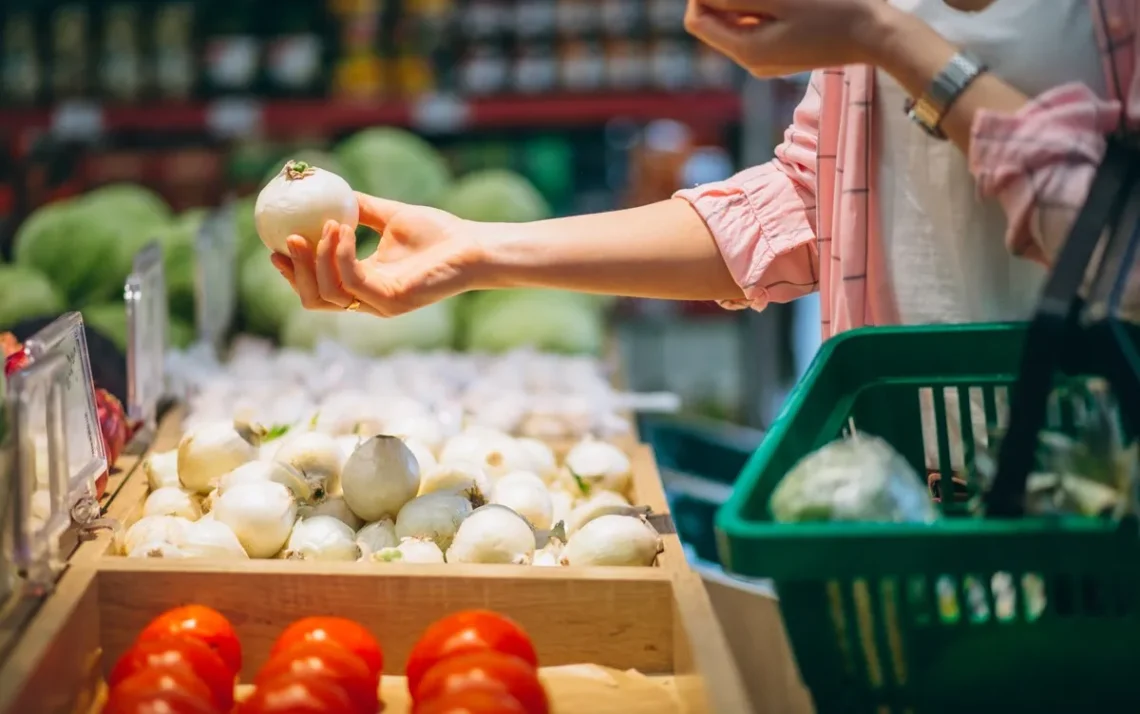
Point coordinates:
[[962, 615]]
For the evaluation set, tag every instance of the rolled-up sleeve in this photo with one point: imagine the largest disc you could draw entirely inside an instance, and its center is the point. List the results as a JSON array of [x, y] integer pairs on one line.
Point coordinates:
[[763, 219], [1039, 163]]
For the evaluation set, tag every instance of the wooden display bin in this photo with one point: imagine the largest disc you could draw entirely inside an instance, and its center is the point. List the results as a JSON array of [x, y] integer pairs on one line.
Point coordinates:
[[658, 623]]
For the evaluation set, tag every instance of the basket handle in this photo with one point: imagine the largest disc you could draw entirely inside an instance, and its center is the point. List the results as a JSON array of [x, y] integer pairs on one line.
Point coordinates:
[[1056, 324]]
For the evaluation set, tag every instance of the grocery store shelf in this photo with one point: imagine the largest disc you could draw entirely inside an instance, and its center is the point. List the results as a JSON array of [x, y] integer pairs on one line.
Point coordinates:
[[435, 114]]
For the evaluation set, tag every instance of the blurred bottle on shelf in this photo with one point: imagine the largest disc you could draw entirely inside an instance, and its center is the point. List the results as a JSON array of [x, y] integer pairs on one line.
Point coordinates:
[[232, 49], [627, 65], [484, 71], [296, 52], [360, 70], [23, 68], [535, 69], [583, 66], [713, 70], [485, 20], [121, 69], [577, 18], [535, 19], [657, 162], [70, 53], [175, 65], [666, 17], [671, 64]]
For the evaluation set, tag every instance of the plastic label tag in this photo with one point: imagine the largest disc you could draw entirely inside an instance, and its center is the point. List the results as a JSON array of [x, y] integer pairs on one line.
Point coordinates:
[[439, 113], [86, 455], [79, 120], [145, 297], [234, 118], [216, 280]]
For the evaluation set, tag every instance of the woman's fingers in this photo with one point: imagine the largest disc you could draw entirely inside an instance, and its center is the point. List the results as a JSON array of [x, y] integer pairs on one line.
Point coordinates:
[[283, 265], [376, 212], [327, 273], [305, 275]]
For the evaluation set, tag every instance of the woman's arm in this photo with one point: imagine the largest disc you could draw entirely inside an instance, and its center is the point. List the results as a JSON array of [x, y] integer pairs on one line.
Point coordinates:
[[1036, 156], [744, 242]]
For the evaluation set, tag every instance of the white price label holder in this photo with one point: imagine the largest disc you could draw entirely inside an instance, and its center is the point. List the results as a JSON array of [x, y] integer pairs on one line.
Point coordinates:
[[145, 298], [216, 278], [35, 409], [440, 114], [85, 456]]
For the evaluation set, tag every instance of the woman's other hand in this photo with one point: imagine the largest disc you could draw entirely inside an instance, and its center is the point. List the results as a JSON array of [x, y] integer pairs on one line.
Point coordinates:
[[424, 255], [772, 38]]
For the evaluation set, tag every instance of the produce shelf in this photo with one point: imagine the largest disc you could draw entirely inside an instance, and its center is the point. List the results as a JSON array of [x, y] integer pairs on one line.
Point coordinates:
[[436, 114]]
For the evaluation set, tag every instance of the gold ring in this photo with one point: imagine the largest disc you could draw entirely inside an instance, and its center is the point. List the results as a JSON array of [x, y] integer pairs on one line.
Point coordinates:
[[353, 306]]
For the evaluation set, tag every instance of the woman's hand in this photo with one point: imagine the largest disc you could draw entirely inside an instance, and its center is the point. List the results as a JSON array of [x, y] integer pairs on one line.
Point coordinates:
[[772, 38], [424, 255]]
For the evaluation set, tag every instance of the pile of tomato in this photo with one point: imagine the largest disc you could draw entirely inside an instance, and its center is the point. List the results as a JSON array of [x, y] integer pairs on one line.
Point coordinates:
[[187, 661]]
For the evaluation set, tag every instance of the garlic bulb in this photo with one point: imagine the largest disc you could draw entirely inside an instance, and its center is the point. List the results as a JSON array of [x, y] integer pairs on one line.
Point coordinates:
[[208, 452], [317, 458], [613, 541], [380, 477], [299, 201], [152, 529], [410, 550], [261, 514], [211, 539], [332, 506], [321, 538], [600, 465], [434, 517], [458, 477], [591, 507], [493, 534], [162, 470], [172, 501], [377, 536], [525, 494]]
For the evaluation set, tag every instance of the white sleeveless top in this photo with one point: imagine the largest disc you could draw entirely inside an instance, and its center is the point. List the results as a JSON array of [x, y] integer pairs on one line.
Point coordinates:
[[944, 247]]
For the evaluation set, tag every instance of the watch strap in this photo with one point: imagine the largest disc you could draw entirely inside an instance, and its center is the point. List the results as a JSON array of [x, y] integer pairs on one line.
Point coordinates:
[[931, 108]]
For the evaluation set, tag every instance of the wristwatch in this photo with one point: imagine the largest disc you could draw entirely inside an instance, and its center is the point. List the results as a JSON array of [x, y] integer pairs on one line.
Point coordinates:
[[931, 108]]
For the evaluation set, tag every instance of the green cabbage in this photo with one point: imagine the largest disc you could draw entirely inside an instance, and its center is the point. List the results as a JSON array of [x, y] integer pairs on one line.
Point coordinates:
[[265, 297], [110, 320], [26, 293], [428, 328], [248, 241], [395, 164], [303, 329], [179, 260], [496, 196], [548, 320]]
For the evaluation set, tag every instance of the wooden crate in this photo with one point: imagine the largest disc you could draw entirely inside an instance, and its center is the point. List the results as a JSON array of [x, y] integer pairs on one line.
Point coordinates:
[[659, 623], [126, 507]]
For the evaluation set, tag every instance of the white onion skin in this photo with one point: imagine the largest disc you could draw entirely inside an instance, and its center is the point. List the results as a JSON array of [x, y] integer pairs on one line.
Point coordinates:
[[293, 204], [379, 478], [261, 515], [613, 541], [493, 534]]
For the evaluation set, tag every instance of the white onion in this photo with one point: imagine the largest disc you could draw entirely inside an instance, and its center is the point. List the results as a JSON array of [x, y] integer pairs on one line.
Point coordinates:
[[172, 501], [212, 539], [424, 457], [561, 503], [380, 477], [434, 517], [332, 506], [550, 555], [157, 549], [541, 457], [321, 538], [410, 550], [590, 508], [162, 470], [317, 458], [613, 541], [496, 453], [458, 477], [377, 536], [525, 494], [493, 534], [260, 472], [600, 465], [261, 514], [207, 453], [420, 428], [299, 201], [152, 529]]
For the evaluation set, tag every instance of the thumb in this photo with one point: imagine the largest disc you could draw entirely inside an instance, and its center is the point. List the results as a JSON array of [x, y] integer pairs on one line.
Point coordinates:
[[376, 212]]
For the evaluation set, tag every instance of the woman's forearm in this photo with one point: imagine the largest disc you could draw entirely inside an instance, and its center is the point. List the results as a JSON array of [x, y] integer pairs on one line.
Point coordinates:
[[663, 250], [914, 54]]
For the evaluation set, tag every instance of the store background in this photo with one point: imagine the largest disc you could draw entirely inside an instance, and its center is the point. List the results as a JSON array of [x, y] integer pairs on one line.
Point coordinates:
[[600, 103]]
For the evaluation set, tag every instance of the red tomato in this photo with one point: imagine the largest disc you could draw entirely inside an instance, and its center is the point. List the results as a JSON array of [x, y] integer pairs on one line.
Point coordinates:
[[516, 677], [350, 635], [468, 631], [200, 623], [162, 690], [332, 662], [472, 698], [298, 694], [193, 656]]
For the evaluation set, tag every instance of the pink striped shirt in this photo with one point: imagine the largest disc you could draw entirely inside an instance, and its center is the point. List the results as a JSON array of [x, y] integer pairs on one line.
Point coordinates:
[[807, 220]]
